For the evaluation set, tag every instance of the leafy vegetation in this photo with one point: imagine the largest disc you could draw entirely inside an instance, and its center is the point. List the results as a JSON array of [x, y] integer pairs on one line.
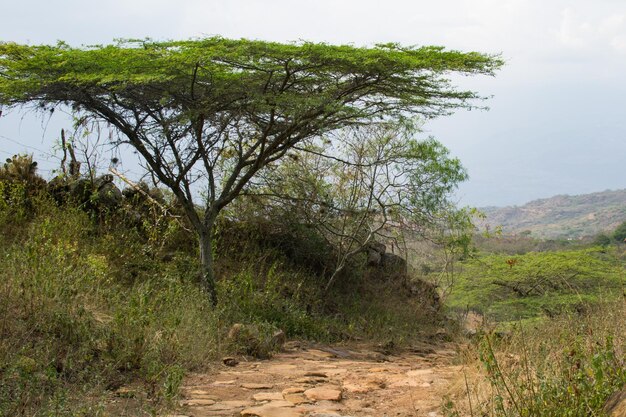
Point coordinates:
[[552, 341], [94, 307], [509, 288], [213, 113]]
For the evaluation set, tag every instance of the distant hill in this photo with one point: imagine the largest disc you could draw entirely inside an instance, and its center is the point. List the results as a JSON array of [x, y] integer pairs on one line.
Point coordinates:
[[562, 216]]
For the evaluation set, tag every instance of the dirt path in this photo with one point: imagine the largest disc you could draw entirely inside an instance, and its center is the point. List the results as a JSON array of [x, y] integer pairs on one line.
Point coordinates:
[[306, 381]]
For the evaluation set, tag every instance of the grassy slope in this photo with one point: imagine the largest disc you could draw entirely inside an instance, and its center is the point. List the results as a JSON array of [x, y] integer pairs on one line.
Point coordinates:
[[86, 309], [507, 288], [567, 366]]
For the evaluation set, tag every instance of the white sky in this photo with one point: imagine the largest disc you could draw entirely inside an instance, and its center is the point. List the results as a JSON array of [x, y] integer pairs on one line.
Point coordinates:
[[557, 122]]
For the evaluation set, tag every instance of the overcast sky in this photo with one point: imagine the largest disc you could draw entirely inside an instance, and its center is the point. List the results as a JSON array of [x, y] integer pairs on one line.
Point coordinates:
[[557, 123]]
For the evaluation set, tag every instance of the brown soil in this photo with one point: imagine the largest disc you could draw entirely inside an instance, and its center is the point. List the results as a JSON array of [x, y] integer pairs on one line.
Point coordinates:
[[319, 381]]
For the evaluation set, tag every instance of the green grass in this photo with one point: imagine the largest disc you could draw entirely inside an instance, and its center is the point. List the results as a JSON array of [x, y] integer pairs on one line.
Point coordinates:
[[508, 288], [560, 347]]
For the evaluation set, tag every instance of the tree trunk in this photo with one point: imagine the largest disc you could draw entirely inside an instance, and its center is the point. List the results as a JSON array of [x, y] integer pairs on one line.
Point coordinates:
[[206, 263]]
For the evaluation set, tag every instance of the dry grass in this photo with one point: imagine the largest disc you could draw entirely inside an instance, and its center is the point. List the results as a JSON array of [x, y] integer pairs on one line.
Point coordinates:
[[565, 366]]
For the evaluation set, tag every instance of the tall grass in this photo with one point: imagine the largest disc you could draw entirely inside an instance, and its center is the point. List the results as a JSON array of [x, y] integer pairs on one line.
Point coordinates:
[[90, 306], [567, 366], [66, 321]]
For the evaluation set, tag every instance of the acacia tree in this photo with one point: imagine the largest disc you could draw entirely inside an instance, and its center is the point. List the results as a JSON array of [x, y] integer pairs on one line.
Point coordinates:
[[214, 112]]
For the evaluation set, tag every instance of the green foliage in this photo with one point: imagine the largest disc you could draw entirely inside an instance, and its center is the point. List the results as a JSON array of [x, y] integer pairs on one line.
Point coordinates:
[[509, 288], [231, 69], [590, 374], [19, 186], [602, 240], [13, 203], [229, 108], [280, 300], [367, 184], [619, 234], [87, 307]]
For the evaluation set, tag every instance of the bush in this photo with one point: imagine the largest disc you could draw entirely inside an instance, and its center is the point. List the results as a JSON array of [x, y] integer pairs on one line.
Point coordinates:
[[619, 234], [602, 240], [537, 284]]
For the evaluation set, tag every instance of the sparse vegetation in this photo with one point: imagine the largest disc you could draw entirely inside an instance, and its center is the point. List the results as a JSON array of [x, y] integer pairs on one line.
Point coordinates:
[[563, 216], [97, 307], [567, 366]]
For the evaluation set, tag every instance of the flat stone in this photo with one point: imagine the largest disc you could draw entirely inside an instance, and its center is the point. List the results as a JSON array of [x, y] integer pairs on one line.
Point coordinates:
[[322, 393], [330, 414], [256, 386], [269, 410], [293, 390], [280, 403], [198, 402], [281, 368], [363, 385], [202, 393], [296, 399], [336, 371], [310, 380], [230, 382], [325, 414], [324, 407], [228, 405], [268, 396], [316, 374]]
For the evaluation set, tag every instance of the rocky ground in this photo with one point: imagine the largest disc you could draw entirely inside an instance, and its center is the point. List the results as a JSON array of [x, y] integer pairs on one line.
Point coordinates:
[[317, 381]]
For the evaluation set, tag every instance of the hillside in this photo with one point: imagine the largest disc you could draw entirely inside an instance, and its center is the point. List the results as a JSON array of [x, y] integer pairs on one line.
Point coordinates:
[[562, 216]]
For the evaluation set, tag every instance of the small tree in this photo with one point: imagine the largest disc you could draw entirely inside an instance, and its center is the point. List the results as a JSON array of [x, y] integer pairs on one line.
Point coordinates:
[[365, 185], [212, 113]]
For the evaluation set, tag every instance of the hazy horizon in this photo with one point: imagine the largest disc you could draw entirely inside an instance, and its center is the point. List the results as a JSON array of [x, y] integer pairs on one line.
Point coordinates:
[[557, 123]]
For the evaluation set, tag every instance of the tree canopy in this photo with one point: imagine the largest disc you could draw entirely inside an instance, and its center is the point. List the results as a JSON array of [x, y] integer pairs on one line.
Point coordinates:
[[218, 111]]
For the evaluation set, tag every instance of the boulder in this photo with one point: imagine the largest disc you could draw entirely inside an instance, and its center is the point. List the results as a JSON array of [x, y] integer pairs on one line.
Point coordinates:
[[248, 339], [108, 196], [373, 258]]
